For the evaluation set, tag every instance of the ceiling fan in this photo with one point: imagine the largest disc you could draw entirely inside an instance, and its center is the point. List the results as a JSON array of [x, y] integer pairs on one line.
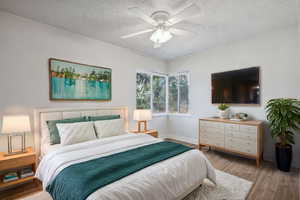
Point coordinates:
[[163, 23]]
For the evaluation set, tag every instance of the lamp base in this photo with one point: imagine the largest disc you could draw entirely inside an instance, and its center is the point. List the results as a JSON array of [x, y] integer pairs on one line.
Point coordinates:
[[11, 152], [139, 126]]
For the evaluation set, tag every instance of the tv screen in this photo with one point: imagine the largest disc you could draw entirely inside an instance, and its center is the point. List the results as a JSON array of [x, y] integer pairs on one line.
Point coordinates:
[[236, 87]]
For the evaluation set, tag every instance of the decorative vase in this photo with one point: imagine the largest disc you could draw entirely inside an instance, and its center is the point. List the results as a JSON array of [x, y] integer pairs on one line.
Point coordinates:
[[224, 114], [284, 157]]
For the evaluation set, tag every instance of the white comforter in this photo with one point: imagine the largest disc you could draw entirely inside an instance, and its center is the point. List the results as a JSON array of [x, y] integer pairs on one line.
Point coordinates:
[[169, 179]]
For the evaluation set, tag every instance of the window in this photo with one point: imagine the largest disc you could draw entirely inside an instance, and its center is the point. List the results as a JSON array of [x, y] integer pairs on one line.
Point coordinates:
[[143, 91], [161, 93], [178, 93]]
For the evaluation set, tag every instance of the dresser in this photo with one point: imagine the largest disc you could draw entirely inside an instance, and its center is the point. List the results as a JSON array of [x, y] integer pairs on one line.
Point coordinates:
[[240, 137]]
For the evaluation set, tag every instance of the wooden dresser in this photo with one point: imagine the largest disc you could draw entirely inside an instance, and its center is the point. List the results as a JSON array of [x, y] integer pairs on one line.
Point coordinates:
[[241, 137]]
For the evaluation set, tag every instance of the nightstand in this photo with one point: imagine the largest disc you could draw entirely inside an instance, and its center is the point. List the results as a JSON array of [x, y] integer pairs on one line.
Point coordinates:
[[15, 163], [154, 133]]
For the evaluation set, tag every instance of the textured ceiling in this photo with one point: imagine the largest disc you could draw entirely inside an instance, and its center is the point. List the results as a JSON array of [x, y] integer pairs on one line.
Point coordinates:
[[220, 21]]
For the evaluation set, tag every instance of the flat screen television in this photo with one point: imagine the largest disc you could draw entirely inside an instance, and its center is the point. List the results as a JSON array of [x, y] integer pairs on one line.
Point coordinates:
[[236, 87]]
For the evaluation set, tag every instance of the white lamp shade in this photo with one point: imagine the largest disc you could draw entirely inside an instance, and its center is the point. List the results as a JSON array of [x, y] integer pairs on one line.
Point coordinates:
[[142, 115], [15, 124]]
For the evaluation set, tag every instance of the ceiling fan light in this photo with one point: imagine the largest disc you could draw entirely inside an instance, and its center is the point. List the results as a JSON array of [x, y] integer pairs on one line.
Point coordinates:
[[161, 36]]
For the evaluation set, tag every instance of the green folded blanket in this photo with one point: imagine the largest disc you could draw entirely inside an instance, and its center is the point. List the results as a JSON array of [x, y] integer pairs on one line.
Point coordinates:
[[78, 181]]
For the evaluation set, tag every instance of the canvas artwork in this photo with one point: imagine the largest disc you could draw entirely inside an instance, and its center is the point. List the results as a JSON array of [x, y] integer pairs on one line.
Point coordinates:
[[75, 81]]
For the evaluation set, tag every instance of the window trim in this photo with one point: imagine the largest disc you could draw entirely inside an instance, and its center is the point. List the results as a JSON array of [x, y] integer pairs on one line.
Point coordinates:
[[177, 74]]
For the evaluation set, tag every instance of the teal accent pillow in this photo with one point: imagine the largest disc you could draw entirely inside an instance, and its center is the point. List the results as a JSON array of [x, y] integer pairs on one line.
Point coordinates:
[[54, 135], [104, 117]]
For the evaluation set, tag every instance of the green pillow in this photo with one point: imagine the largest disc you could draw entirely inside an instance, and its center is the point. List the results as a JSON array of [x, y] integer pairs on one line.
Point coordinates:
[[104, 117], [54, 135]]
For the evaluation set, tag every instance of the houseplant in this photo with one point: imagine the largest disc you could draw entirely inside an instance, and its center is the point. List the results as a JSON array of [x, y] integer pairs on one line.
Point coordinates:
[[284, 117], [223, 111]]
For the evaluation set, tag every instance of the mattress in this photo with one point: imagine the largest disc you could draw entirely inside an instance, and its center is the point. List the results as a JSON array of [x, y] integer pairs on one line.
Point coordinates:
[[169, 179]]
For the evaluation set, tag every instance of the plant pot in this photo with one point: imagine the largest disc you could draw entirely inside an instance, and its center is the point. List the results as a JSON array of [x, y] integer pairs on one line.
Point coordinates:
[[284, 155], [224, 114]]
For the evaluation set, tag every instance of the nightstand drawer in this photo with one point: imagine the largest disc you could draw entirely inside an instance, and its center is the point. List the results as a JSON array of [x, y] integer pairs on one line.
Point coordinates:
[[17, 162]]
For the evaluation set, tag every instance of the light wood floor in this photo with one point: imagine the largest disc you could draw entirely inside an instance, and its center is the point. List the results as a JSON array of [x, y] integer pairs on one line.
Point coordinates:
[[269, 183]]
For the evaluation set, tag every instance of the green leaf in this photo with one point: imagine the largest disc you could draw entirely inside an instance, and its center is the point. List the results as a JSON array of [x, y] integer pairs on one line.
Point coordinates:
[[284, 117]]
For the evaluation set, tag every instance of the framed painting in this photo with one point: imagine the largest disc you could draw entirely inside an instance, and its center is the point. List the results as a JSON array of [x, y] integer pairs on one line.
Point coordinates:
[[78, 82]]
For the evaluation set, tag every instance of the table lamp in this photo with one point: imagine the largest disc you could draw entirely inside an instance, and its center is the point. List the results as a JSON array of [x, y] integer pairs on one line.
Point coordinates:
[[15, 125], [142, 116]]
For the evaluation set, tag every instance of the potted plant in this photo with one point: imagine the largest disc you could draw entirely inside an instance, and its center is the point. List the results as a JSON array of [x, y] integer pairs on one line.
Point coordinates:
[[284, 117], [223, 111]]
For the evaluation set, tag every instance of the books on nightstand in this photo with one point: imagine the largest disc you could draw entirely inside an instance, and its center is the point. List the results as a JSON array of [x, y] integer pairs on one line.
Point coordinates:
[[10, 177], [25, 172]]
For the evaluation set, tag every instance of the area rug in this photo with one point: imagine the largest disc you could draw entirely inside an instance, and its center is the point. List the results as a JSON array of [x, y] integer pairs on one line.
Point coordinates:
[[228, 187]]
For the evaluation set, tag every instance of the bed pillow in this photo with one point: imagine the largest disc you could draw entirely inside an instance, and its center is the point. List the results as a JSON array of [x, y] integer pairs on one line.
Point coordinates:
[[73, 133], [108, 128], [104, 117], [53, 132]]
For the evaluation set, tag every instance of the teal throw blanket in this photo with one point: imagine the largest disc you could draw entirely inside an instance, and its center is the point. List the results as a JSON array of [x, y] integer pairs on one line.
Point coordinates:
[[78, 181]]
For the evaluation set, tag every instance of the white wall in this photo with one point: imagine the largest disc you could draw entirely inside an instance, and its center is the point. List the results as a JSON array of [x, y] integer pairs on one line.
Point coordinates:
[[275, 52], [25, 48]]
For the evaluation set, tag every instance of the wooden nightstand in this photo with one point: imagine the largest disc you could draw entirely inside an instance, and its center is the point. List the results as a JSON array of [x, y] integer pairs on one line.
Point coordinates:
[[15, 163], [154, 133]]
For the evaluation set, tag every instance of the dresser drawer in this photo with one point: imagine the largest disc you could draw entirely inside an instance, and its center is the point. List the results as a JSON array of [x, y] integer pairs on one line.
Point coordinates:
[[246, 128], [212, 134], [215, 141], [241, 145], [209, 124], [212, 130], [232, 127], [242, 135]]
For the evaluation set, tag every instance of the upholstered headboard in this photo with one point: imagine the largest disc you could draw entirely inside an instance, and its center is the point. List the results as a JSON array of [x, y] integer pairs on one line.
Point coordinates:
[[43, 115]]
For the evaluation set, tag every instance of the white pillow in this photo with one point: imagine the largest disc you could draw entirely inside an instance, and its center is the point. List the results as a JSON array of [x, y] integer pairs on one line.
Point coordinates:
[[108, 128], [72, 133]]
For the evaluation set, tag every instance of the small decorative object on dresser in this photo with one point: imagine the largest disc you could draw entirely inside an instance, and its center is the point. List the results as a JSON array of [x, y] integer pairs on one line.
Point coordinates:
[[154, 133], [240, 117], [284, 118], [142, 116], [244, 137], [223, 111], [16, 169], [15, 126]]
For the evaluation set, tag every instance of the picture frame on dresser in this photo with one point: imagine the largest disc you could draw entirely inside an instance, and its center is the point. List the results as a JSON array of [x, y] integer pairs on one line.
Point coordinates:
[[244, 138]]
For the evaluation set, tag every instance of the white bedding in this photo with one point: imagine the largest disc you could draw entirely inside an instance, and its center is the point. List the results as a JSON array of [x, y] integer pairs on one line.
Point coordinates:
[[48, 148], [169, 179]]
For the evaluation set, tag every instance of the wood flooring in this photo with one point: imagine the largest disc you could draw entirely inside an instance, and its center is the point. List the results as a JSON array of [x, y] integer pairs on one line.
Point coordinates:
[[269, 183]]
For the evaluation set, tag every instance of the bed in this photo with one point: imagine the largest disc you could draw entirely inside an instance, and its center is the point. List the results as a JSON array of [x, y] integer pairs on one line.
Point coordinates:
[[171, 178]]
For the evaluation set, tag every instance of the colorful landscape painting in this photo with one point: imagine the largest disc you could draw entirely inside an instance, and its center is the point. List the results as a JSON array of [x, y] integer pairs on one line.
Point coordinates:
[[75, 81]]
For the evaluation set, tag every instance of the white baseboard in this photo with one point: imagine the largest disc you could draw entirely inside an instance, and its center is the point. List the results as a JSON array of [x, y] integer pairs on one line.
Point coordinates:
[[182, 138]]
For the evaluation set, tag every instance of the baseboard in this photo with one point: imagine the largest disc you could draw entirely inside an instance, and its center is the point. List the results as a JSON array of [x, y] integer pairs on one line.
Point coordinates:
[[193, 141]]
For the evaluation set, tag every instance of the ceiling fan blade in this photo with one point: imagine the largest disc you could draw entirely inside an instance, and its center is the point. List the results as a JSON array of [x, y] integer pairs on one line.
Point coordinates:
[[191, 11], [139, 13], [137, 33], [179, 32], [196, 27]]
